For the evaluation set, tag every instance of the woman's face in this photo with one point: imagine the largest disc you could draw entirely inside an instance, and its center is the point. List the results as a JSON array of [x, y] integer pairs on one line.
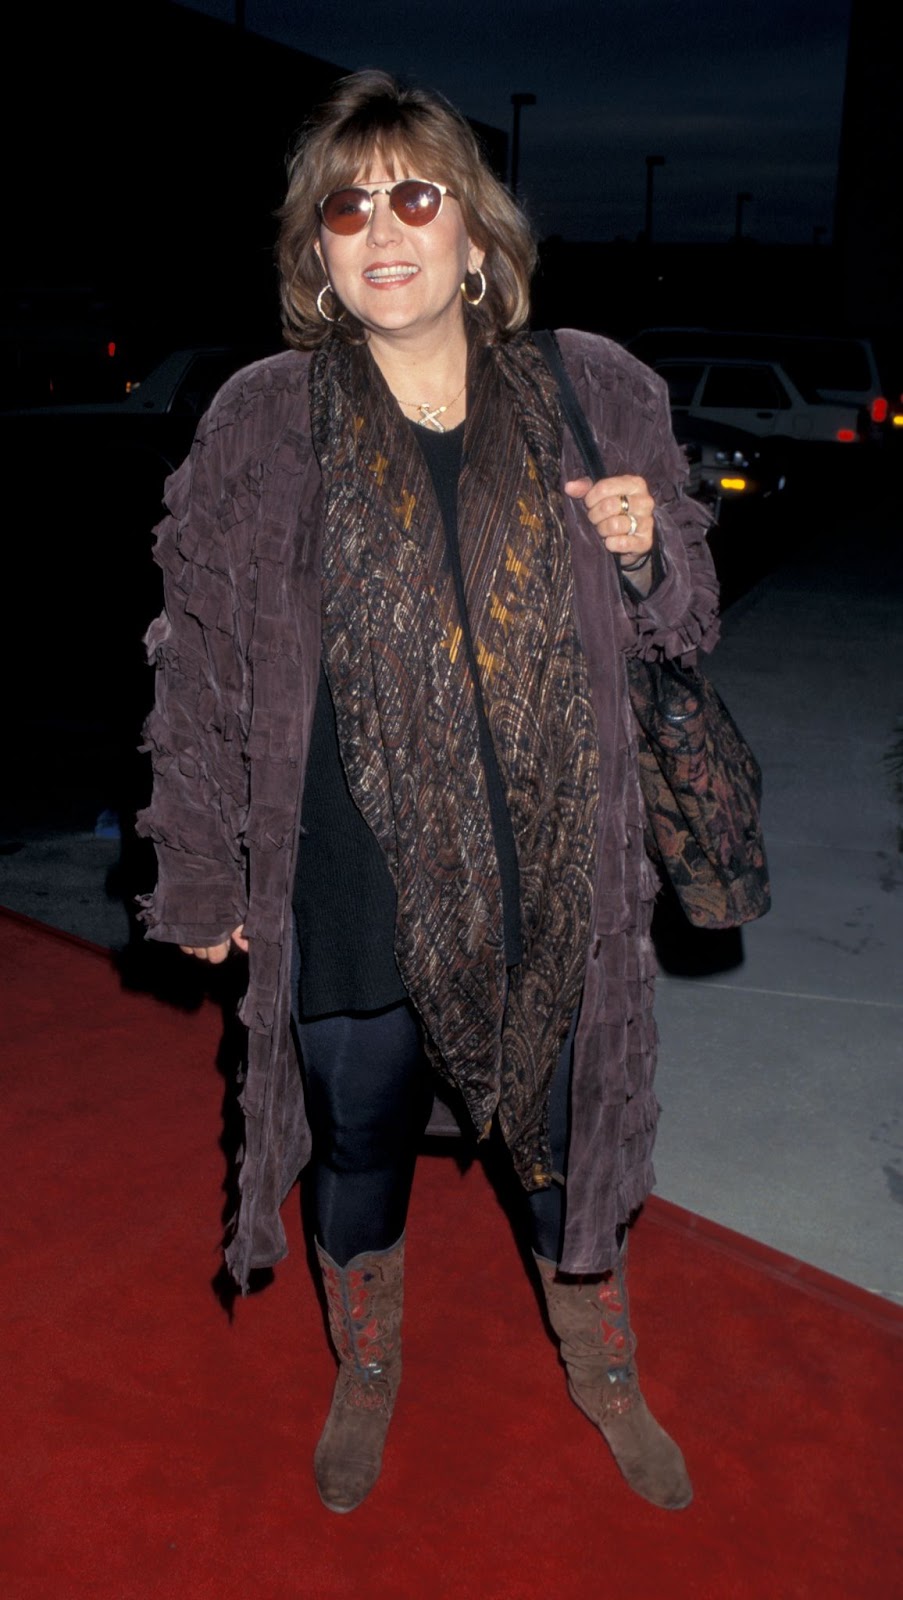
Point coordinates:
[[400, 281]]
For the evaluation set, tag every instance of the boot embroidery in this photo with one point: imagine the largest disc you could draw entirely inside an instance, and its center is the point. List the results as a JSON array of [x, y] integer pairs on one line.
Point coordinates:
[[362, 1343], [612, 1318]]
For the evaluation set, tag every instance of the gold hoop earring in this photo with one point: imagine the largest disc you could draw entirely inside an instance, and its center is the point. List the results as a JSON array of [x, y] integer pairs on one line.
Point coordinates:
[[327, 287], [477, 274]]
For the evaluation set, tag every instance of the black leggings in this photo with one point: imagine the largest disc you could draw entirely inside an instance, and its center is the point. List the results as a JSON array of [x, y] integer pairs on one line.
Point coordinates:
[[369, 1093]]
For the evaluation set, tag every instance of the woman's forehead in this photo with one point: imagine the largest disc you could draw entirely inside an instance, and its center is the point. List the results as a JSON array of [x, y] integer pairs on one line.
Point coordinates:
[[387, 160]]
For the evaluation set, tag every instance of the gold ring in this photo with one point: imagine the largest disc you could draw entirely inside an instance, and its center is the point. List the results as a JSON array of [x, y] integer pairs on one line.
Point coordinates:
[[625, 506]]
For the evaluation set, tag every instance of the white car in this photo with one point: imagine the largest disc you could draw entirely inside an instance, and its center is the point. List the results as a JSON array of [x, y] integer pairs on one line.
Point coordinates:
[[759, 397], [834, 368]]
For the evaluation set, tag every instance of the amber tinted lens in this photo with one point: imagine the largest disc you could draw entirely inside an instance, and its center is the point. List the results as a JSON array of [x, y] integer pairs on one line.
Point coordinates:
[[346, 210], [414, 202]]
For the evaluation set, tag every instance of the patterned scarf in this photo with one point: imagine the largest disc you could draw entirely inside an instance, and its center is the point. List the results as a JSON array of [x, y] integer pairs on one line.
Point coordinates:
[[397, 666]]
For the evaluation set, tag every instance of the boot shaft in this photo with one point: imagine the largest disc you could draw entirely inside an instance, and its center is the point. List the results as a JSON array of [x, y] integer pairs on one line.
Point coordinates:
[[364, 1302], [591, 1317]]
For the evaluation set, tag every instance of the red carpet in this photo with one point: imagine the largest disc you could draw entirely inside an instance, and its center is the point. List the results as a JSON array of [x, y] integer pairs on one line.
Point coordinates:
[[156, 1449]]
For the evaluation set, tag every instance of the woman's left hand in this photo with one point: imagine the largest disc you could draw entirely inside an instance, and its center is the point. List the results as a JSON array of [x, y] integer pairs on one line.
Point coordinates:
[[621, 510]]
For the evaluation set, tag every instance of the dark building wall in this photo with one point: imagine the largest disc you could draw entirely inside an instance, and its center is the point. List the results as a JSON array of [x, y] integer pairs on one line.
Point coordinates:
[[621, 287], [149, 158], [868, 226]]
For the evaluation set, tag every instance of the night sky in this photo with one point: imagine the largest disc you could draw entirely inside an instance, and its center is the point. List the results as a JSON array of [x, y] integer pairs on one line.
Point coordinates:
[[736, 94]]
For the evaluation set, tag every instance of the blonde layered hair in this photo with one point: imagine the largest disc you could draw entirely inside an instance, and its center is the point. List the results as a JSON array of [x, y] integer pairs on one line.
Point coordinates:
[[413, 132]]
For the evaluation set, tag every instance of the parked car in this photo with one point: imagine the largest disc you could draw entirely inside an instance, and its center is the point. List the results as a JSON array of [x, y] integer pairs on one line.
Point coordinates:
[[743, 480], [760, 398], [728, 466], [823, 369], [157, 416]]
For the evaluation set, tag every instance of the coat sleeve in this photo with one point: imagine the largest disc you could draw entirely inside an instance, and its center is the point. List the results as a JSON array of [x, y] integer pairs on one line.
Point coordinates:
[[627, 406], [680, 614], [194, 733]]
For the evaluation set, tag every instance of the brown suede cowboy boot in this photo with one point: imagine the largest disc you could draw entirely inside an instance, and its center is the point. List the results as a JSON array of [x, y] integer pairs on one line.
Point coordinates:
[[592, 1320], [364, 1301]]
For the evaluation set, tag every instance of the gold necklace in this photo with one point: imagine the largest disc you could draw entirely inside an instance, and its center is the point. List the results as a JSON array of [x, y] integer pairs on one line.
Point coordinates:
[[430, 414]]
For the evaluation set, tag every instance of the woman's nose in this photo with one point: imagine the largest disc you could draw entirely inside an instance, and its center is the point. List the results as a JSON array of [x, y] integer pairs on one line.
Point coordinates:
[[383, 225]]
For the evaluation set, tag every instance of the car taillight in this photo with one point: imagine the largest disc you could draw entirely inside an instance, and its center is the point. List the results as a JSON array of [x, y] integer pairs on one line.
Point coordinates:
[[879, 409], [847, 435]]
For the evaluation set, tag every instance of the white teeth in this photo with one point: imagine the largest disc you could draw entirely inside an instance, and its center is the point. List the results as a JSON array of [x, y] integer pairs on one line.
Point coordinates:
[[390, 272]]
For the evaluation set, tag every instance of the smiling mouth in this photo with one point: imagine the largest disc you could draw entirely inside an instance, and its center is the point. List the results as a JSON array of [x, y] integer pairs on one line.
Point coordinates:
[[390, 275]]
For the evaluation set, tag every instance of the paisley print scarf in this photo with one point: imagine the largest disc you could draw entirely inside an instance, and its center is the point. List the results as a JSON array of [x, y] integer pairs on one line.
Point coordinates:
[[405, 708]]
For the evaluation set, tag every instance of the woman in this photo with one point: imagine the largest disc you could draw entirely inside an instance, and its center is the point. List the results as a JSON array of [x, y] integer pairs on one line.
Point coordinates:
[[394, 756]]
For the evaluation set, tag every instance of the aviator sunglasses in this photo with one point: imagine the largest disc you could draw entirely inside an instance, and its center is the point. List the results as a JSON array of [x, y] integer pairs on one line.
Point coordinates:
[[413, 201]]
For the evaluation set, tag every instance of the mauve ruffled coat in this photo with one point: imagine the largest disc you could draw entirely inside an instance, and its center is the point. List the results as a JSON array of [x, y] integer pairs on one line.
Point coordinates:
[[237, 650]]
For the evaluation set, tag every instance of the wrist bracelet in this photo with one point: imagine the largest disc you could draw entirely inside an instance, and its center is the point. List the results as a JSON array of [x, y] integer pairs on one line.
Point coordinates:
[[636, 566]]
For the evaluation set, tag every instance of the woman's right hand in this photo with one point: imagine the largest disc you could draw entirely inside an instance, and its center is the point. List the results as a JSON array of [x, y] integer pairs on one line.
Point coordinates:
[[218, 952]]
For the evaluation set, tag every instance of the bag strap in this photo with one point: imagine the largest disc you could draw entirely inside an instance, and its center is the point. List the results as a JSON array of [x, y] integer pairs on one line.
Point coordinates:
[[571, 408], [575, 417]]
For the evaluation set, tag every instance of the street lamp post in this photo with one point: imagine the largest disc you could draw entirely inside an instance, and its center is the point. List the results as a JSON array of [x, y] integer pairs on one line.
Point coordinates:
[[651, 163], [517, 100]]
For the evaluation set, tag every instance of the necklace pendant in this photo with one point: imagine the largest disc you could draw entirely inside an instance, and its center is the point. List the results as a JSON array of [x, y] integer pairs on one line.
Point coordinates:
[[429, 416]]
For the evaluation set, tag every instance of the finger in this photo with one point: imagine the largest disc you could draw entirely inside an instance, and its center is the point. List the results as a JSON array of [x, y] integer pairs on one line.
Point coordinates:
[[613, 523], [624, 483], [578, 487], [239, 940], [622, 506], [613, 492], [632, 548]]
